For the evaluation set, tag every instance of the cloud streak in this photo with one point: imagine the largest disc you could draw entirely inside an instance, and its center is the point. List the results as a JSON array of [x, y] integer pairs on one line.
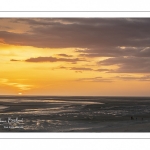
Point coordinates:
[[80, 69], [128, 64], [116, 78], [20, 86], [95, 79], [133, 78], [52, 59]]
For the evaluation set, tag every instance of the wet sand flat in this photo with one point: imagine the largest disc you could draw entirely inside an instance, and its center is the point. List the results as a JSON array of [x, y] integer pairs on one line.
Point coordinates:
[[75, 114]]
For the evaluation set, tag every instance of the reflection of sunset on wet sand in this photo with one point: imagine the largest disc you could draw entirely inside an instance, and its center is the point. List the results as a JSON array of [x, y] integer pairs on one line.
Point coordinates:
[[76, 114]]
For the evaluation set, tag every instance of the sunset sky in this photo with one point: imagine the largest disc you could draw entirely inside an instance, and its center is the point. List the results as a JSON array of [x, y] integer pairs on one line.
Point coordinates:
[[75, 56]]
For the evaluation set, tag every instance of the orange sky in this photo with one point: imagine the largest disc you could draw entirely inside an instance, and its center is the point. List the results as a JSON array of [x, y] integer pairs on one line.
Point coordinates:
[[74, 57]]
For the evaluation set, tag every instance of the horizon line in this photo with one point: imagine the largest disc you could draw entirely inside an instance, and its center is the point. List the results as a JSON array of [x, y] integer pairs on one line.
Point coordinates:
[[73, 95]]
